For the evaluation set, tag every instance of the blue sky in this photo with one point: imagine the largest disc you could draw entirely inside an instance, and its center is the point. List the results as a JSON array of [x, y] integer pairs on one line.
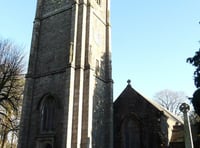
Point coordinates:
[[150, 41]]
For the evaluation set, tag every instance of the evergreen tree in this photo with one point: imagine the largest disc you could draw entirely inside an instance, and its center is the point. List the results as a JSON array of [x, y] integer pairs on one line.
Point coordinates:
[[195, 61]]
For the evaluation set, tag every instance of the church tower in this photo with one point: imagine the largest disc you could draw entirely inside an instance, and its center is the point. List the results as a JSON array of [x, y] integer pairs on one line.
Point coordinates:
[[68, 91]]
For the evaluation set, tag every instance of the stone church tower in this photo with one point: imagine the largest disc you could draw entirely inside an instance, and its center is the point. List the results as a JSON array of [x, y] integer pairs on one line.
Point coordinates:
[[68, 91]]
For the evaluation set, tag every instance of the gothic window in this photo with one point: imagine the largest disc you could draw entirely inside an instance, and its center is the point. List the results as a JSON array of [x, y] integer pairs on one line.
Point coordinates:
[[47, 112], [131, 134]]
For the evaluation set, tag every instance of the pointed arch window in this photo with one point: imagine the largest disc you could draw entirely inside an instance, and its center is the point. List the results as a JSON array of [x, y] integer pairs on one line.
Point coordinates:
[[131, 134], [47, 113]]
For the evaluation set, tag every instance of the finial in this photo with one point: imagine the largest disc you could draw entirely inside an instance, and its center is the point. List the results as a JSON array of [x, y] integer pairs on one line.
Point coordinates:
[[129, 81]]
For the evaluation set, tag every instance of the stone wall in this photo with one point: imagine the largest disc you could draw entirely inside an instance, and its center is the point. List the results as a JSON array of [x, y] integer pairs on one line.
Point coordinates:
[[148, 125], [70, 62]]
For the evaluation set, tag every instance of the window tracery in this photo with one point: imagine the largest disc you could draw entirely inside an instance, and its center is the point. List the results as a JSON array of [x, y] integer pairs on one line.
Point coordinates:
[[47, 113]]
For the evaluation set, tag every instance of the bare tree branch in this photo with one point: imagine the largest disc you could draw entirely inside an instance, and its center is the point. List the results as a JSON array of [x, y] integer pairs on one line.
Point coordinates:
[[171, 100], [11, 86]]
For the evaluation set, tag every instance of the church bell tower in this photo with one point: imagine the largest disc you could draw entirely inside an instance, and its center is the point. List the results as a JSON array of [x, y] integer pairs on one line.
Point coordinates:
[[68, 91]]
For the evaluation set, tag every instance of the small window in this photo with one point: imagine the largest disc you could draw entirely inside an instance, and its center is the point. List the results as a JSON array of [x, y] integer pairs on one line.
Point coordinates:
[[97, 70], [98, 2], [47, 112]]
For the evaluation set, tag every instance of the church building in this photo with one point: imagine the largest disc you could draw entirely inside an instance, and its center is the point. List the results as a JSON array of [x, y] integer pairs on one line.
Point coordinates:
[[142, 123], [68, 96]]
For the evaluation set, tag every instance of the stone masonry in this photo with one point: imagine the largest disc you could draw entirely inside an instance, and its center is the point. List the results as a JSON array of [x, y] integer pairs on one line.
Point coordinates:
[[68, 91]]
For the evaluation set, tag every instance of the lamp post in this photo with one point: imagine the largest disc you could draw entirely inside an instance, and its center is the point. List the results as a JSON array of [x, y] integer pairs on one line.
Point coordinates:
[[187, 129]]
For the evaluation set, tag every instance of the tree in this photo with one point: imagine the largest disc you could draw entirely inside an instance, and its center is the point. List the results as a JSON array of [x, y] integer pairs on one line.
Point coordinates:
[[170, 100], [194, 118], [11, 87], [196, 101], [195, 61]]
